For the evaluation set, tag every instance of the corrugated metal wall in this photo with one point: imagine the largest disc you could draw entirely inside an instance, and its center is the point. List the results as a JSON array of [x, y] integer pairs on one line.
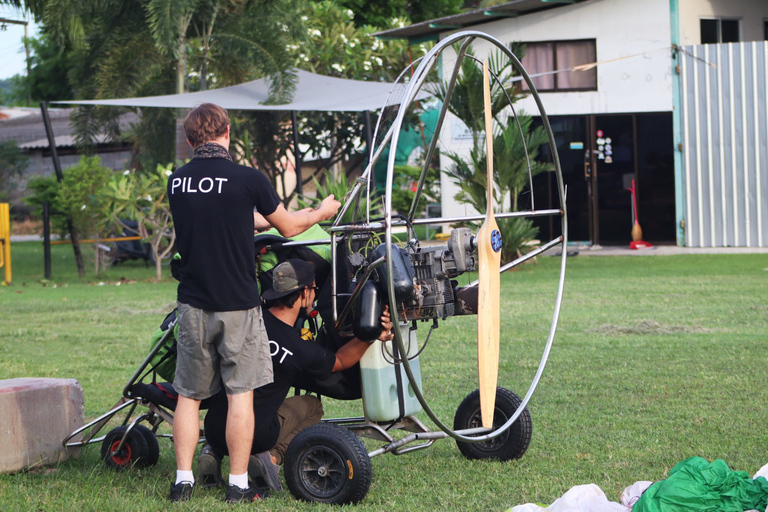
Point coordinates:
[[724, 93]]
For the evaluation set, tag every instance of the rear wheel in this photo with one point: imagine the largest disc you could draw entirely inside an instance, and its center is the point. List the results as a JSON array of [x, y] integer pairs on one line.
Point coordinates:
[[510, 445], [153, 448], [328, 464], [134, 451]]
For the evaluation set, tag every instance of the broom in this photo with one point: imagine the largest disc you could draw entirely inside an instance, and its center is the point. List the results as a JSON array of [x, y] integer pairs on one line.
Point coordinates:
[[637, 231]]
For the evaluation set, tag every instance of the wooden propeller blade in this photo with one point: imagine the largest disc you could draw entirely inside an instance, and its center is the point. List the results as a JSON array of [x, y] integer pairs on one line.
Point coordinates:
[[489, 294]]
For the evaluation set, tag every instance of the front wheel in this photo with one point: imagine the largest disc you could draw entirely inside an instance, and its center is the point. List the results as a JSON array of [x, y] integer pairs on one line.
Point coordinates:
[[327, 463], [510, 445]]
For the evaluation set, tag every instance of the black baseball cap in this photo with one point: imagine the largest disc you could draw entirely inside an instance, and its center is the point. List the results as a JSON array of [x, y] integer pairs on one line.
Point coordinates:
[[288, 277]]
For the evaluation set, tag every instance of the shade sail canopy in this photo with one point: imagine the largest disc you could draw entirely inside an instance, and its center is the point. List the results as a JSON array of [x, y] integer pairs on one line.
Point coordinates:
[[313, 93]]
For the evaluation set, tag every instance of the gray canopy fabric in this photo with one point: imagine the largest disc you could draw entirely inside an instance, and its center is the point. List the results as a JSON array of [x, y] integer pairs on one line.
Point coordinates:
[[313, 93]]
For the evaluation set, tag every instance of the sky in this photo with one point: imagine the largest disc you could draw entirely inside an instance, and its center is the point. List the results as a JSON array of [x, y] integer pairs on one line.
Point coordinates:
[[12, 58]]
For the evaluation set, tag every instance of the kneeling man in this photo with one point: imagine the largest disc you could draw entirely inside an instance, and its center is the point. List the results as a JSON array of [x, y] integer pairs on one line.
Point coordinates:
[[279, 419]]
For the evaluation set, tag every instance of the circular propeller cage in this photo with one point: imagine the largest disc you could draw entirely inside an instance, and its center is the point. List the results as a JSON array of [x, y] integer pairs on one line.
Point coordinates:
[[410, 88]]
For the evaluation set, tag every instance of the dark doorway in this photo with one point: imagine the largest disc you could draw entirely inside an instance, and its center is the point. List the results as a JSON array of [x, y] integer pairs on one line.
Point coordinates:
[[656, 178], [571, 139], [614, 168]]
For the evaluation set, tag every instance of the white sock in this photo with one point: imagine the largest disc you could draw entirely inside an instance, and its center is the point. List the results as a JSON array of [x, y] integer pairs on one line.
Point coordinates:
[[185, 476], [239, 480]]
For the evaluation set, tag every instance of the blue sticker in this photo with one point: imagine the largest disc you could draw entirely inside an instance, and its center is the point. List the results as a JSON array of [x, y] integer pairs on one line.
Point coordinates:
[[496, 240]]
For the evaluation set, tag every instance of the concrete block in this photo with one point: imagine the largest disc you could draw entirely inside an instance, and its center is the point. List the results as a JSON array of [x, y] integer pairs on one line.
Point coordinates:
[[36, 414]]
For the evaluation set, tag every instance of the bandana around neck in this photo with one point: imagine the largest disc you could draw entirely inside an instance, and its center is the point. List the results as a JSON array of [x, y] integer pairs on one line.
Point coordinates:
[[211, 150]]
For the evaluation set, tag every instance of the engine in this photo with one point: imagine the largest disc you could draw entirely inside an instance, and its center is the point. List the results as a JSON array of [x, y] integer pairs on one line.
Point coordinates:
[[424, 277], [435, 268]]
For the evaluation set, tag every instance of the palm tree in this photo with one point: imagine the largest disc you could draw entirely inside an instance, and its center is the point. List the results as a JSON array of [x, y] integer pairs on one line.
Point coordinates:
[[515, 146]]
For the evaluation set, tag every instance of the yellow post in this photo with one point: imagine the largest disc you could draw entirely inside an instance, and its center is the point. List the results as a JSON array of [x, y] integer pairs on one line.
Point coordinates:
[[5, 241]]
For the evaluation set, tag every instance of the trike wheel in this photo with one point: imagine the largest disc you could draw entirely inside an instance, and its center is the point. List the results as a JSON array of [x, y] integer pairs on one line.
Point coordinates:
[[510, 445], [328, 464], [153, 448], [133, 452]]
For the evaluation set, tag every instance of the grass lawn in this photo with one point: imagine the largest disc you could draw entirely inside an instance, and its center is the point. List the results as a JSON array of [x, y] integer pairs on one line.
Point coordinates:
[[657, 359]]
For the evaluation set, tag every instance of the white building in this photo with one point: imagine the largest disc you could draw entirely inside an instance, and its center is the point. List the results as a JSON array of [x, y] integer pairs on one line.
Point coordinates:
[[679, 89]]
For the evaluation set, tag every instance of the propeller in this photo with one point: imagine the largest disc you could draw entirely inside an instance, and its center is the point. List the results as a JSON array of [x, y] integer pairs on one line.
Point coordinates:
[[489, 294]]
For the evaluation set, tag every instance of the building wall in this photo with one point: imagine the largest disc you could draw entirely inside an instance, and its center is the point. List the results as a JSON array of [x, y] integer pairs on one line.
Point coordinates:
[[633, 42], [40, 165], [636, 33], [752, 14]]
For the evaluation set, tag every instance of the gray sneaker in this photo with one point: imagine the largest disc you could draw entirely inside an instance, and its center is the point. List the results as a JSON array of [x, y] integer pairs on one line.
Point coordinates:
[[261, 466], [209, 468]]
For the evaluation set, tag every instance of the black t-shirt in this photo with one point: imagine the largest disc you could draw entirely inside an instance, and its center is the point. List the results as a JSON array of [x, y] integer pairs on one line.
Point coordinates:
[[212, 201], [291, 356]]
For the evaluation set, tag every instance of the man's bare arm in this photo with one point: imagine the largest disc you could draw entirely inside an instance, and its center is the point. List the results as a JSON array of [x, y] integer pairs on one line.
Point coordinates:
[[290, 224], [351, 352]]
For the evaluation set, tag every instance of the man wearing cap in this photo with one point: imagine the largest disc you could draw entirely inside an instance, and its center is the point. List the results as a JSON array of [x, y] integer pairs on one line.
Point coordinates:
[[279, 419], [222, 343]]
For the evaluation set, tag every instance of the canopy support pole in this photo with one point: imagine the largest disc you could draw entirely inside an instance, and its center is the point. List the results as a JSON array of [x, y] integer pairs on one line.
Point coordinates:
[[297, 153]]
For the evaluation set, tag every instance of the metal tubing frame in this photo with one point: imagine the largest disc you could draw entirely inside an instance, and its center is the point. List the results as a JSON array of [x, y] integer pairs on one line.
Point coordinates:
[[415, 84]]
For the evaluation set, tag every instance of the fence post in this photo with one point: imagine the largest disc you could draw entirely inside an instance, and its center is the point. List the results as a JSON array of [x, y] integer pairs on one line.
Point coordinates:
[[46, 240], [5, 242]]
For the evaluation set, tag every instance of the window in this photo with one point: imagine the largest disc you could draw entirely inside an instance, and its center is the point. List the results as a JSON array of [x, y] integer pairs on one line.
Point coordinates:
[[720, 31], [544, 57]]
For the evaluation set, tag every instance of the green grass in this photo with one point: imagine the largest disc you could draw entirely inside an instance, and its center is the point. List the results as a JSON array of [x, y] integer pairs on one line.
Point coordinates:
[[656, 359]]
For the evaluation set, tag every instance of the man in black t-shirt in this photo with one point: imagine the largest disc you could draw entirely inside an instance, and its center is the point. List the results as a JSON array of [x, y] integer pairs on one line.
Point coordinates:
[[279, 419], [222, 342]]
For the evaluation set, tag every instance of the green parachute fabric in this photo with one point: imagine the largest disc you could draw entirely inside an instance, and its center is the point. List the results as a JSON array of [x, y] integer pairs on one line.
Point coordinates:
[[163, 362], [697, 485]]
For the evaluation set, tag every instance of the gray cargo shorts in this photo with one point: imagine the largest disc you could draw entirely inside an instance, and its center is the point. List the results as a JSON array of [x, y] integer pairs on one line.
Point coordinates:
[[221, 347]]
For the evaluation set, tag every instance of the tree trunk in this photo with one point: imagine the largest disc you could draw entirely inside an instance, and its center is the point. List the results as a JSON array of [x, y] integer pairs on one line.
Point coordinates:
[[158, 267], [180, 65], [76, 249]]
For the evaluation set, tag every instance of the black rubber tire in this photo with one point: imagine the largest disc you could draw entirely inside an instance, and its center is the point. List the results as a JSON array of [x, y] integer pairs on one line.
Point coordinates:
[[327, 463], [153, 448], [133, 453], [510, 445]]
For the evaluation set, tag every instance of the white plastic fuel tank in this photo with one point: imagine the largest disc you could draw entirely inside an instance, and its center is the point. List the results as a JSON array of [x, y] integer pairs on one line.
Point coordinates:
[[379, 379]]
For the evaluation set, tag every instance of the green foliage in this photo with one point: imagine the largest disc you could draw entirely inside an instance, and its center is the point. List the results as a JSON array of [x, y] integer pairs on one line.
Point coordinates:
[[47, 80], [46, 189], [79, 195], [466, 101], [379, 13], [332, 45], [150, 47], [142, 197], [340, 186], [13, 163], [516, 234], [512, 156], [406, 179], [336, 46]]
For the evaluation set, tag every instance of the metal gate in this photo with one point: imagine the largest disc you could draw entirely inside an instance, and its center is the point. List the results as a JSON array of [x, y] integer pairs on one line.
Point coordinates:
[[724, 126]]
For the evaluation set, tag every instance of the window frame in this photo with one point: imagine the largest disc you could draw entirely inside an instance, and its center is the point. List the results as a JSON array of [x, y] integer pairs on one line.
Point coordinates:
[[555, 65], [720, 21]]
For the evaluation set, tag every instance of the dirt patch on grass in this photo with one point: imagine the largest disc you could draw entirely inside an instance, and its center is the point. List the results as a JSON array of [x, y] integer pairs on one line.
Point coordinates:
[[646, 327]]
